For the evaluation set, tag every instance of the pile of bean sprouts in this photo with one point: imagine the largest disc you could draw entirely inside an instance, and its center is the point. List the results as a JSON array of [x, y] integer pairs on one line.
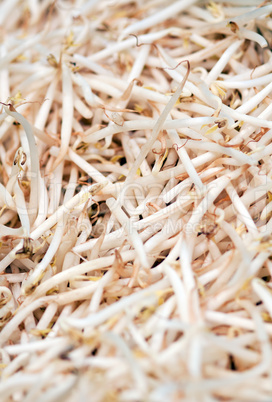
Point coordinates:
[[135, 200]]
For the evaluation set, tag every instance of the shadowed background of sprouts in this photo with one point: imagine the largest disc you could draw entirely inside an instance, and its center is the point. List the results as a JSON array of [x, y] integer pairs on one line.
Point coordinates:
[[135, 196]]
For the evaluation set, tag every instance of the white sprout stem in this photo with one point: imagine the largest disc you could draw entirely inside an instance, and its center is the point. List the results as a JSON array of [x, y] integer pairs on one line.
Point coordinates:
[[179, 289], [55, 189], [66, 311], [128, 226], [43, 77], [43, 137], [186, 161], [7, 293], [42, 115], [7, 231], [254, 121], [103, 86], [202, 14], [19, 317], [241, 84], [186, 184], [82, 293], [222, 62], [194, 58], [21, 208], [178, 72], [91, 65], [83, 110], [111, 240], [47, 358], [16, 169], [239, 156], [172, 226], [60, 390], [86, 89], [261, 334], [34, 345], [139, 63], [266, 211], [263, 292], [87, 167], [256, 13], [5, 9], [67, 113], [240, 19], [70, 190], [199, 40], [70, 273], [6, 198], [149, 124], [20, 49], [135, 150], [98, 291], [235, 349], [253, 36], [214, 189], [17, 383], [228, 113], [157, 128], [257, 72], [159, 17], [257, 264], [234, 321], [34, 8], [118, 307], [85, 8], [164, 213], [266, 114], [34, 162], [14, 366], [186, 266], [195, 355], [170, 173], [136, 369], [239, 244], [255, 100], [43, 204], [4, 76], [40, 268], [128, 43], [78, 200], [59, 278], [242, 211], [47, 316]]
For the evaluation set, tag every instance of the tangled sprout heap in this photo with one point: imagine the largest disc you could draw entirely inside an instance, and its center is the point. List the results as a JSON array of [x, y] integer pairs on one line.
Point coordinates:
[[135, 200]]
